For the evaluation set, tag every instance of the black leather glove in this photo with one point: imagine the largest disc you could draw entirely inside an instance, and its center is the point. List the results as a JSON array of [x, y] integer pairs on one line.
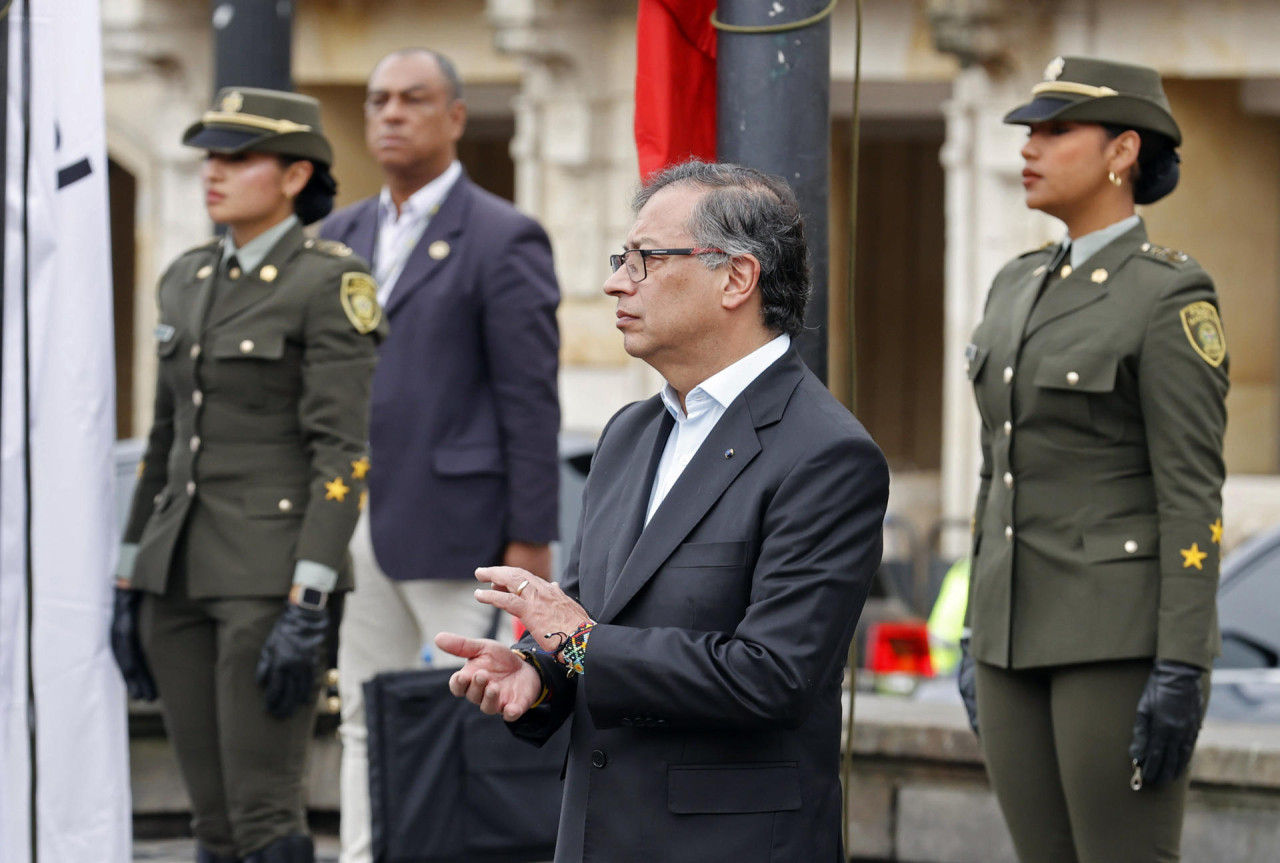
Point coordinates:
[[127, 648], [290, 656], [968, 684], [1167, 723]]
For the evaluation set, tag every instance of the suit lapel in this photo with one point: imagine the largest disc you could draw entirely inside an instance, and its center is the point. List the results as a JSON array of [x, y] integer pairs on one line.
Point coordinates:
[[364, 231], [732, 445], [1025, 299], [1086, 285], [445, 225], [631, 501], [204, 292], [250, 289]]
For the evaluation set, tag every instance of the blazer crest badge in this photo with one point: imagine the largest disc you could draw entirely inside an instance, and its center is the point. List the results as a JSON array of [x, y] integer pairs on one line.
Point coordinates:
[[359, 293]]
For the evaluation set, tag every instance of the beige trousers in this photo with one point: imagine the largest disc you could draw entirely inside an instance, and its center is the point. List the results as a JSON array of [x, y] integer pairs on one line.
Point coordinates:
[[385, 626]]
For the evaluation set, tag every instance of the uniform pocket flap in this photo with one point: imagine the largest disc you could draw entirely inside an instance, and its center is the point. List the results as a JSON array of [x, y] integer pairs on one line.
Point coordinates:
[[709, 554], [264, 346], [275, 502], [1081, 371], [975, 357], [465, 460], [694, 789], [1122, 541]]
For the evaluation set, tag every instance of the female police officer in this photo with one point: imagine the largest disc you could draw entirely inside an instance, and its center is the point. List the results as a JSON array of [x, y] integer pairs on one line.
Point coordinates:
[[1100, 372], [252, 477]]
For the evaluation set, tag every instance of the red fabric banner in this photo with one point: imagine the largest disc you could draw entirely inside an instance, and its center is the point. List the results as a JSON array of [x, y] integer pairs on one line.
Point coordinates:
[[675, 83]]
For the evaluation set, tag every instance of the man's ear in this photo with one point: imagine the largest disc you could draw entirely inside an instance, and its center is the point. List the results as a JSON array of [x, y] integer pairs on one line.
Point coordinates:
[[743, 282]]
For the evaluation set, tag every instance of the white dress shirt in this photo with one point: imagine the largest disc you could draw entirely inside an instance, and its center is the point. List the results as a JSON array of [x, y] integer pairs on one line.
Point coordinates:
[[399, 232], [705, 404]]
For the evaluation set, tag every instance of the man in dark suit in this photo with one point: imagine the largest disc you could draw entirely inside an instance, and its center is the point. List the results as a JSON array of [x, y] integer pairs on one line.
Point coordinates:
[[731, 526], [464, 412]]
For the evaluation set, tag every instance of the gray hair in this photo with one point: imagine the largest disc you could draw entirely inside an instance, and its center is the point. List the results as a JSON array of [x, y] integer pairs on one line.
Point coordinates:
[[447, 69], [747, 212]]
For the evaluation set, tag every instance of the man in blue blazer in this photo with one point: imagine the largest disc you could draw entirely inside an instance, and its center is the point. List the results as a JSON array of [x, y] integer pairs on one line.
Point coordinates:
[[464, 412], [730, 530]]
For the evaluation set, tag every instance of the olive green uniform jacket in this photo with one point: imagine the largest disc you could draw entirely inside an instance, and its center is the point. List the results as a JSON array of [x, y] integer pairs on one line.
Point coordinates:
[[258, 446], [1098, 522]]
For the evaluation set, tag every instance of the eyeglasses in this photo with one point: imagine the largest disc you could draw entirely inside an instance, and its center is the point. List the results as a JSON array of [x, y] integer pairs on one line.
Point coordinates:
[[635, 258]]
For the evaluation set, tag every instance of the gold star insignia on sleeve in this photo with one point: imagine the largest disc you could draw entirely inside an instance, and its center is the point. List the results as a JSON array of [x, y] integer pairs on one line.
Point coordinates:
[[336, 490], [360, 467], [1216, 529], [1192, 556]]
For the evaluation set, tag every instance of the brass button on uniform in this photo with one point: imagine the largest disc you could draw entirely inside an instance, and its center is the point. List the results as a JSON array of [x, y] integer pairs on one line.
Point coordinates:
[[191, 488], [246, 347], [268, 273], [1073, 378], [1098, 276], [197, 398], [1008, 428], [195, 351], [285, 504], [1008, 373], [234, 272], [204, 272], [195, 442], [1131, 546], [1065, 271], [1008, 480], [1008, 532]]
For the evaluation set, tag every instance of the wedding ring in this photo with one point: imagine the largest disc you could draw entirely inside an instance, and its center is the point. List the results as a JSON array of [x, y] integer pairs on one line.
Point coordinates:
[[520, 587]]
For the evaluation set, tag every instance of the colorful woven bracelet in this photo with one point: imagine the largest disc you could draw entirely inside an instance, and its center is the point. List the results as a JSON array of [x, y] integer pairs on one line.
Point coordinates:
[[574, 650]]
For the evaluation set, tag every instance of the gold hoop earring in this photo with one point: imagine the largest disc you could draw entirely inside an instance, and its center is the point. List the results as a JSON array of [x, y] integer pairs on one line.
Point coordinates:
[[1115, 181]]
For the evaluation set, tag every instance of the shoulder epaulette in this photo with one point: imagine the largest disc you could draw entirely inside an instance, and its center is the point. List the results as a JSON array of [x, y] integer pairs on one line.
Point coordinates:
[[330, 247], [1165, 254], [1038, 249], [206, 244]]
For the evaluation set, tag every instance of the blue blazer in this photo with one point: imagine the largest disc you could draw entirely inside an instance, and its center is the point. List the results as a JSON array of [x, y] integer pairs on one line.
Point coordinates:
[[465, 412]]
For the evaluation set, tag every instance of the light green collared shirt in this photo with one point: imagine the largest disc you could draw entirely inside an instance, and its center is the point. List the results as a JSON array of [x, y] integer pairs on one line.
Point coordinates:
[[256, 249]]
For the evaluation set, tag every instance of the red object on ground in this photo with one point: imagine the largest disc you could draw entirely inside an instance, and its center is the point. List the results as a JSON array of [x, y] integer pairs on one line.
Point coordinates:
[[675, 83], [899, 648]]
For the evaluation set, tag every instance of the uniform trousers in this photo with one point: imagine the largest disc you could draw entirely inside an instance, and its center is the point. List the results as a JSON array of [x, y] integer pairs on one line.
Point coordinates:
[[385, 626], [243, 768], [1056, 741]]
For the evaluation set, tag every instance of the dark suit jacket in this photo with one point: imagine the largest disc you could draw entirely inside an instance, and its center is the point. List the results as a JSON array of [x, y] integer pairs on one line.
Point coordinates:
[[465, 410], [1098, 519], [707, 724]]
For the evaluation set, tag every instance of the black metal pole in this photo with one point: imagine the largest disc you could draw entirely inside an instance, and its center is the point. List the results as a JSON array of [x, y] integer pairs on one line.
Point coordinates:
[[252, 42], [774, 113]]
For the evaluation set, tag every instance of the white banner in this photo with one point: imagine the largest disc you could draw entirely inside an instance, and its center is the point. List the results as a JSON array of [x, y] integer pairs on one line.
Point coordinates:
[[57, 424]]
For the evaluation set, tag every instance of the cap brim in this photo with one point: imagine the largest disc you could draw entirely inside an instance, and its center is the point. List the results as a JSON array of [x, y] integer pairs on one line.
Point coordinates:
[[1038, 110], [221, 140]]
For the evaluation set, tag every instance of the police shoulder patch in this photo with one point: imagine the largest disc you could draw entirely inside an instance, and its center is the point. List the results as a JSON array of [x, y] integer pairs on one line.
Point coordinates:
[[333, 247], [1204, 330], [359, 295]]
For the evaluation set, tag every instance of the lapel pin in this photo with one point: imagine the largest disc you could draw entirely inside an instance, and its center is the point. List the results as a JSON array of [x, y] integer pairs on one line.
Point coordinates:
[[728, 453], [1099, 276], [204, 272], [439, 250], [268, 273]]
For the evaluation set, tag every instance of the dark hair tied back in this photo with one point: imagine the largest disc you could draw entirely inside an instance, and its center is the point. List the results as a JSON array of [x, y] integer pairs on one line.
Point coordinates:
[[315, 201], [1157, 171]]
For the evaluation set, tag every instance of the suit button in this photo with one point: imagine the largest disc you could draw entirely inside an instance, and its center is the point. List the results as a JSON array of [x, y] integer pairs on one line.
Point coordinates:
[[1073, 378], [191, 489], [1131, 546], [195, 351], [1008, 373], [195, 443], [1008, 533], [1008, 480], [1008, 428], [246, 347], [197, 398], [598, 758]]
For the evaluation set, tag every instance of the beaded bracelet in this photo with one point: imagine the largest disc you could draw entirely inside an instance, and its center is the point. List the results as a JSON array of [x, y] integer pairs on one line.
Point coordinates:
[[574, 649]]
